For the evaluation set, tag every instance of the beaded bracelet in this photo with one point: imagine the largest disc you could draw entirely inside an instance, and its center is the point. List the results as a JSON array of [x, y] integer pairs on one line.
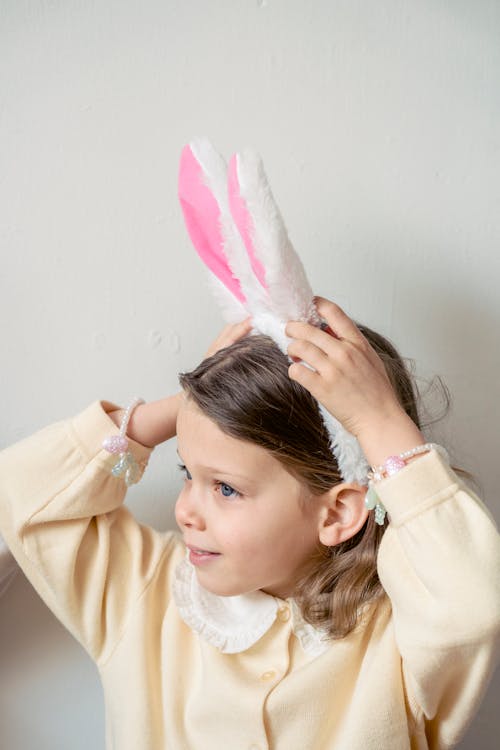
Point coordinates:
[[391, 466], [118, 444]]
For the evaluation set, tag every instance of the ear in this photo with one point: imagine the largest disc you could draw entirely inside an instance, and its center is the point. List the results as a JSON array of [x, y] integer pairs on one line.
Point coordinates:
[[202, 190], [204, 200], [272, 256], [343, 513], [242, 217]]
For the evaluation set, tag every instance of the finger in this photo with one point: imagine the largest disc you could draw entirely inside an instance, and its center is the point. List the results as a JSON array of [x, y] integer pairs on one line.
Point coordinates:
[[305, 377], [308, 352], [337, 319], [234, 331], [240, 329], [304, 331], [231, 333]]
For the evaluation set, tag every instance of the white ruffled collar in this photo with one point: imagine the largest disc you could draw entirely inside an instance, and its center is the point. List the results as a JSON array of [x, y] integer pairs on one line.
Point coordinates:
[[234, 623]]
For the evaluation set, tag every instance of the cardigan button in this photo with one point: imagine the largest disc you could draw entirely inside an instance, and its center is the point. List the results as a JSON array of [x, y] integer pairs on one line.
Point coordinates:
[[266, 676], [284, 614]]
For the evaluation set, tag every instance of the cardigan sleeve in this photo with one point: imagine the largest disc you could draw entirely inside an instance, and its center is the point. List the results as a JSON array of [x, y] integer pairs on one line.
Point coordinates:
[[439, 562], [63, 518]]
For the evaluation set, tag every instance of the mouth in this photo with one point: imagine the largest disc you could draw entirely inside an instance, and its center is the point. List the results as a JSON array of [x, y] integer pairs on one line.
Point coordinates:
[[199, 556]]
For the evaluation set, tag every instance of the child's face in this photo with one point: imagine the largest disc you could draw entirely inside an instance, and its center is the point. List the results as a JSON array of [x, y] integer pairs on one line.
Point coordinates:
[[238, 501]]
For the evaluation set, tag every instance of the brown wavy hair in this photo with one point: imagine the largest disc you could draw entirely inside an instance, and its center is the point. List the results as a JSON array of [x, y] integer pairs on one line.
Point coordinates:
[[245, 389]]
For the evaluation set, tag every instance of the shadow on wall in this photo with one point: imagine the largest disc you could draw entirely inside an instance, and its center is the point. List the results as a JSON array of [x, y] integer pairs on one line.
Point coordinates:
[[35, 651]]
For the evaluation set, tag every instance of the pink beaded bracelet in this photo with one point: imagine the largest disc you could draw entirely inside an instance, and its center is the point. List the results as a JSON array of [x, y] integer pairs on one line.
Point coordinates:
[[126, 465], [391, 466]]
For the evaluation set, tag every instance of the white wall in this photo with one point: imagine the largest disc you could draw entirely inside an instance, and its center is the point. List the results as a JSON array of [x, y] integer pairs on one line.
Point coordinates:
[[378, 125]]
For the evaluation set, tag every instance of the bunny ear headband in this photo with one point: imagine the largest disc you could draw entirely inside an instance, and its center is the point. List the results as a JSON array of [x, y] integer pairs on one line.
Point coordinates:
[[237, 230]]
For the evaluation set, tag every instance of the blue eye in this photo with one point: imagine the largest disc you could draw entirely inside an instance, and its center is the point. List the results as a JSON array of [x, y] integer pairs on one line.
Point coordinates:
[[227, 490], [184, 469]]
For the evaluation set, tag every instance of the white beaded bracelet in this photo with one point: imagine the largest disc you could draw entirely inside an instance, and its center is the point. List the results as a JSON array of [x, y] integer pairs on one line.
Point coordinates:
[[391, 466], [118, 444]]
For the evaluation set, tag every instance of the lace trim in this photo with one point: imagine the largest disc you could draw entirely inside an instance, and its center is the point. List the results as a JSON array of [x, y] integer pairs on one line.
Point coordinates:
[[230, 623], [313, 641], [234, 623]]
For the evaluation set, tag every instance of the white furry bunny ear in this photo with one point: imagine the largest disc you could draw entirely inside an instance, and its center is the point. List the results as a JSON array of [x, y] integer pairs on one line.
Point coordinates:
[[203, 197], [272, 256], [280, 270]]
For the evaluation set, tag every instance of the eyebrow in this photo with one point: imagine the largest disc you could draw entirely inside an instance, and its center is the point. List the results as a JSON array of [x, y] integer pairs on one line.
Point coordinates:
[[216, 470]]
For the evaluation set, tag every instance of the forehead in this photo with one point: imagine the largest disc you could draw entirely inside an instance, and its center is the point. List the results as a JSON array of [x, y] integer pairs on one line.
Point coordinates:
[[202, 442]]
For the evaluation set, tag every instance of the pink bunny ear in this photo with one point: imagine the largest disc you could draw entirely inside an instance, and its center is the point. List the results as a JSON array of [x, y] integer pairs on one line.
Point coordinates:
[[242, 218], [202, 216]]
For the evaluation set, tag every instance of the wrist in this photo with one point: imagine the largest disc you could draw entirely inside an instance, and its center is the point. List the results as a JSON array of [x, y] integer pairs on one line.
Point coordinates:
[[151, 423], [389, 436]]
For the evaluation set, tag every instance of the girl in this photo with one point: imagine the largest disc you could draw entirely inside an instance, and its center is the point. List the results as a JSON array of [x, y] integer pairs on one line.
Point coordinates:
[[295, 621], [286, 614]]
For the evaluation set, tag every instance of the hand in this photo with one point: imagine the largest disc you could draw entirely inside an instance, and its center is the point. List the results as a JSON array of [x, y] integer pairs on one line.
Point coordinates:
[[229, 335], [349, 378], [155, 422]]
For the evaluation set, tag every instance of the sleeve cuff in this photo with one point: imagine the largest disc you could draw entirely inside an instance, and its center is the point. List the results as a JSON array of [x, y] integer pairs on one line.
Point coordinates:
[[93, 424], [423, 483]]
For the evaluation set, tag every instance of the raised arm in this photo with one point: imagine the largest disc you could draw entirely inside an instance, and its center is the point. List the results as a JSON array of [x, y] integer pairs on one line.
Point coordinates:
[[439, 559], [439, 562], [63, 518]]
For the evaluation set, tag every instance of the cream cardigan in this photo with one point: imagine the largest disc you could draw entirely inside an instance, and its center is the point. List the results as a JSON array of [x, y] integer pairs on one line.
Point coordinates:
[[186, 672]]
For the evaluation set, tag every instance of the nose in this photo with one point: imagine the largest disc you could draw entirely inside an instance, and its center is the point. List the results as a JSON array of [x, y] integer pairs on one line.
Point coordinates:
[[188, 509]]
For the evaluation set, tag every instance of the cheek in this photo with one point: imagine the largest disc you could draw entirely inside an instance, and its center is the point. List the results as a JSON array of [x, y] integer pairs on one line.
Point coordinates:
[[238, 534], [261, 535], [291, 532]]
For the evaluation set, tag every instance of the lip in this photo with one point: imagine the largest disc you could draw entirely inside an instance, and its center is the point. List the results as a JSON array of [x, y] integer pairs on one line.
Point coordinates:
[[198, 556]]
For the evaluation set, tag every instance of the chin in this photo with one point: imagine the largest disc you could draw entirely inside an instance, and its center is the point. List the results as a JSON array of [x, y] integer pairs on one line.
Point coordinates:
[[223, 589]]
